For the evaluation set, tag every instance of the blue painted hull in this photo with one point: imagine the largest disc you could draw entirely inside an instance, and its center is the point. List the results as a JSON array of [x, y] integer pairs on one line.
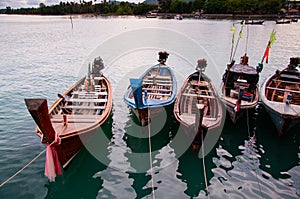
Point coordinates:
[[152, 103], [138, 99]]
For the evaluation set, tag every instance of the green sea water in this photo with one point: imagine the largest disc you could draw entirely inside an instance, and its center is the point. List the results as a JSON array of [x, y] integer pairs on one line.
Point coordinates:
[[43, 56]]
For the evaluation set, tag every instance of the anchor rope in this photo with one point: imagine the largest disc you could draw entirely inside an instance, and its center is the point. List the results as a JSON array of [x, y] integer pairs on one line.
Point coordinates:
[[150, 156], [28, 164], [204, 169], [248, 128]]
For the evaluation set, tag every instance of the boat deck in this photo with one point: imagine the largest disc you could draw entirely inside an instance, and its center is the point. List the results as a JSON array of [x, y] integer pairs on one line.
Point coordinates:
[[83, 108], [278, 90], [158, 84], [198, 92]]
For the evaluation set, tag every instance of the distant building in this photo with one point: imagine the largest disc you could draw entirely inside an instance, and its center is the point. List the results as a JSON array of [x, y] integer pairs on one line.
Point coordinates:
[[292, 4]]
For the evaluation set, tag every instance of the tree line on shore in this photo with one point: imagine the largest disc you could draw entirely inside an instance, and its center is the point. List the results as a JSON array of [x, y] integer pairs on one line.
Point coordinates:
[[163, 6]]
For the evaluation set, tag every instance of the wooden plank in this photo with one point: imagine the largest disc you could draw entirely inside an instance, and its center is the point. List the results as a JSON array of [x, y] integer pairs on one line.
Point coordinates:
[[76, 116], [288, 76], [284, 90], [195, 95], [289, 82], [157, 89], [88, 100], [57, 120], [159, 77], [91, 93], [195, 83], [98, 78], [84, 107], [160, 94], [159, 84]]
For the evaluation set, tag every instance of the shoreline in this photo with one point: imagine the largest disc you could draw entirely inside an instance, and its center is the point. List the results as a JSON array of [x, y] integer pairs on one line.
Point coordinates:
[[170, 16]]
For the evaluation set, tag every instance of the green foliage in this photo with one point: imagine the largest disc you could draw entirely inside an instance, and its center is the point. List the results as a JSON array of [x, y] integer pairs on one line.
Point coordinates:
[[165, 6], [142, 8], [216, 6]]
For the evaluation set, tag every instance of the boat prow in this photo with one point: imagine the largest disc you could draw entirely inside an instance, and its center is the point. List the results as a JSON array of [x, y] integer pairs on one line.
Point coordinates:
[[75, 115], [198, 108]]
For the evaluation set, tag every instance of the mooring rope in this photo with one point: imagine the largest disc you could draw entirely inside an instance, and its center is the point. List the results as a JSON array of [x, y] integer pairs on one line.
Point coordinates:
[[204, 169], [34, 159], [248, 128], [150, 155], [252, 141]]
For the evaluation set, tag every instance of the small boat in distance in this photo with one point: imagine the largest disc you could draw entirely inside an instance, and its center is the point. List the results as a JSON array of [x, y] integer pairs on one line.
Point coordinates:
[[197, 106], [75, 115], [280, 95], [178, 17], [253, 22], [283, 21], [239, 91], [151, 14], [154, 90]]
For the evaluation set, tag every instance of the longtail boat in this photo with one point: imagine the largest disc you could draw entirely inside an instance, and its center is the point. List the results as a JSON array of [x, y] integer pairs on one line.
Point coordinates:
[[280, 95], [283, 21], [197, 106], [253, 22], [154, 90], [239, 89], [75, 115]]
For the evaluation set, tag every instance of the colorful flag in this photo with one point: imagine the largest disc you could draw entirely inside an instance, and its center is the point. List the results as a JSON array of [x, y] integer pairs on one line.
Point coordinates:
[[272, 38], [266, 55], [233, 29], [270, 44]]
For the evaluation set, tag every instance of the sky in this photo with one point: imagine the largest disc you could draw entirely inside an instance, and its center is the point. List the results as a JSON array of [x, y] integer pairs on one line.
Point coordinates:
[[36, 3]]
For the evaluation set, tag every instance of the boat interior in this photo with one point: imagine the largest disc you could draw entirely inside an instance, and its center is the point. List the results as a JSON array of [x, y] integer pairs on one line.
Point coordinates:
[[243, 84], [198, 92], [157, 84], [284, 87], [84, 103]]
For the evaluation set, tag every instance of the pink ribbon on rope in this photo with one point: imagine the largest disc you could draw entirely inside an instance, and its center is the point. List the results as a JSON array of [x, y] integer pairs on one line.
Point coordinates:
[[52, 165]]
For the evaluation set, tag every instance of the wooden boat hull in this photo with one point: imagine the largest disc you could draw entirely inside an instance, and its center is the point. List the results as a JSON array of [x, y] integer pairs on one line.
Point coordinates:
[[282, 122], [284, 115], [76, 132], [184, 111], [162, 97]]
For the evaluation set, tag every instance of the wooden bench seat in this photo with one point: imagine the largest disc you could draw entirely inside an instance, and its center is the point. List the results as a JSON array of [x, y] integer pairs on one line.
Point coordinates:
[[89, 93], [283, 81], [157, 89], [88, 100], [195, 95], [160, 94], [57, 120], [157, 83], [284, 90], [84, 107]]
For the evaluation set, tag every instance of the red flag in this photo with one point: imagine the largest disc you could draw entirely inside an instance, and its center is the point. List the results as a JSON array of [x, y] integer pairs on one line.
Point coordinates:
[[266, 55]]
